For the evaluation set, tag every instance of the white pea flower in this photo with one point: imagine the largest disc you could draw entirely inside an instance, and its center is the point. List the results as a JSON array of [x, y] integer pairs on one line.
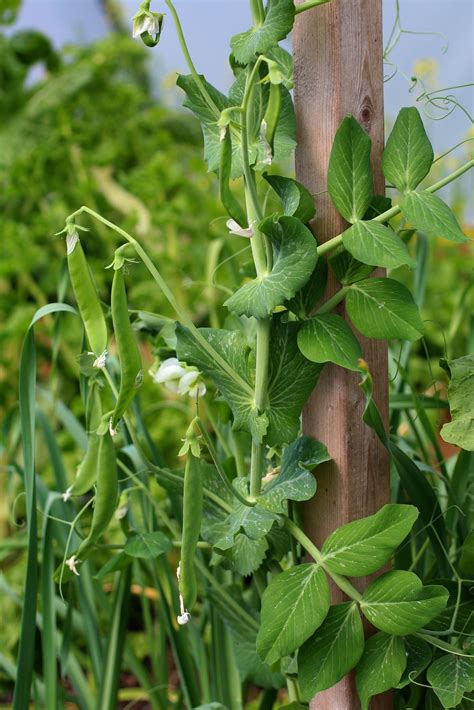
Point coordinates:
[[180, 378], [71, 563], [235, 228], [147, 21]]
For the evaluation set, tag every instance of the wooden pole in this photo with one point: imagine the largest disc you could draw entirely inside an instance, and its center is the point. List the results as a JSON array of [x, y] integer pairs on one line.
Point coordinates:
[[338, 71]]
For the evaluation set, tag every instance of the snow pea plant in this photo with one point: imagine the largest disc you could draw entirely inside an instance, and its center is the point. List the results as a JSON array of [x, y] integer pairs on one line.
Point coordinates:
[[240, 511]]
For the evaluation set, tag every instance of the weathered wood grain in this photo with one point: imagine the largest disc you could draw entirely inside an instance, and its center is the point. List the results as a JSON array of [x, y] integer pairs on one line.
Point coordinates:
[[338, 70]]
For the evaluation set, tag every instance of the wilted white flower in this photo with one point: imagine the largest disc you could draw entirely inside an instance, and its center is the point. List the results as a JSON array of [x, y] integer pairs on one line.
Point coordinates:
[[179, 378], [99, 362], [71, 563], [183, 619], [67, 494], [235, 228]]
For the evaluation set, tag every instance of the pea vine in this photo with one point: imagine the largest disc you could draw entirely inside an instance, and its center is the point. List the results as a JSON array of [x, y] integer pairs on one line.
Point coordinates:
[[240, 496]]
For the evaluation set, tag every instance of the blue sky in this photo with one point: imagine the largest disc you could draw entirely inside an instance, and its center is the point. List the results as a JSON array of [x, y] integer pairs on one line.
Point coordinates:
[[208, 25]]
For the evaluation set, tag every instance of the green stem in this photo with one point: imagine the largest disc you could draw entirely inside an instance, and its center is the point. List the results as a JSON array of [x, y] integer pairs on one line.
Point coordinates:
[[210, 446], [183, 316], [333, 301], [331, 244], [443, 645], [184, 47], [258, 14], [312, 550], [308, 5]]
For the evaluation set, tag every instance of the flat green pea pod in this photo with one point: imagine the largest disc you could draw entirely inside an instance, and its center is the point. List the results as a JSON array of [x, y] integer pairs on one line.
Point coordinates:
[[87, 470], [86, 296], [104, 507], [129, 355], [192, 514]]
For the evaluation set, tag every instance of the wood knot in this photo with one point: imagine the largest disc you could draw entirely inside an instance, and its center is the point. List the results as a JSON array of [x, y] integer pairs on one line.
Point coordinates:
[[366, 113]]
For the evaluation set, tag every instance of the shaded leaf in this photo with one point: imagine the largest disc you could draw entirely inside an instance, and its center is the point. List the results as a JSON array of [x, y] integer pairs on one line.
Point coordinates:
[[296, 200], [346, 269], [148, 545], [291, 380], [451, 677], [304, 301], [418, 658]]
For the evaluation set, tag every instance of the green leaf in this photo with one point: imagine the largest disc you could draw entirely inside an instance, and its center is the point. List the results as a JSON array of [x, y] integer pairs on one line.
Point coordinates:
[[294, 482], [328, 338], [296, 200], [254, 521], [408, 155], [278, 22], [418, 658], [348, 270], [294, 604], [246, 555], [349, 174], [115, 564], [451, 677], [383, 308], [304, 301], [374, 244], [363, 546], [460, 430], [208, 115], [294, 258], [148, 546], [380, 667], [282, 70], [466, 562], [430, 214], [333, 651], [399, 604], [291, 380], [233, 347], [284, 140]]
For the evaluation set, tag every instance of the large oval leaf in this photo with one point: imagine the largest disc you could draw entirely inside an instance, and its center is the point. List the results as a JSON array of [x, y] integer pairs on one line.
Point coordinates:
[[399, 604], [328, 338], [365, 545], [430, 214], [332, 651], [408, 155], [380, 667], [377, 245], [384, 308], [294, 258], [451, 677], [349, 174], [294, 604]]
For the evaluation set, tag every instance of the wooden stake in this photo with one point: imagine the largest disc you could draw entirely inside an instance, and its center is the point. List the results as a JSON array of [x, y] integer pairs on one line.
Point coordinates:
[[339, 70]]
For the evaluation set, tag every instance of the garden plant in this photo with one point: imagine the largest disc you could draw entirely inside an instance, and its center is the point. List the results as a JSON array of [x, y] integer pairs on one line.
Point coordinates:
[[230, 587]]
